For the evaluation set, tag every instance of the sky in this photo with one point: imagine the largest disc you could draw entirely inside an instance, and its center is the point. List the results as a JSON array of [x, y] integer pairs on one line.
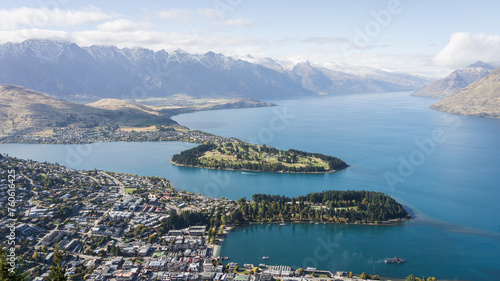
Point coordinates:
[[429, 38]]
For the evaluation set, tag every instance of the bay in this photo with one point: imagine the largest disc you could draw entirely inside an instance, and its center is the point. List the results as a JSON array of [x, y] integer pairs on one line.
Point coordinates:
[[442, 166]]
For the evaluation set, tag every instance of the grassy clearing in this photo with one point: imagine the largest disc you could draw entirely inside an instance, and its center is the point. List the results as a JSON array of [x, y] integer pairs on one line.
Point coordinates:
[[130, 190], [253, 154]]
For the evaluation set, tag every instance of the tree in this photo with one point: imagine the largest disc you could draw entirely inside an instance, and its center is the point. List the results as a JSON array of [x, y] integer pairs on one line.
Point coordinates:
[[236, 269], [411, 278], [57, 273], [256, 270], [301, 271], [6, 272], [363, 276], [375, 277], [35, 255], [350, 274]]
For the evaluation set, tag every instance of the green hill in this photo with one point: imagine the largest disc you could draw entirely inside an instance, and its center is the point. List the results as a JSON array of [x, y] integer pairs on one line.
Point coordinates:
[[239, 155]]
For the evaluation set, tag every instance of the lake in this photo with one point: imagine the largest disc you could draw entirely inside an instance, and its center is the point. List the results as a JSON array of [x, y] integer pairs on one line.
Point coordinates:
[[442, 166]]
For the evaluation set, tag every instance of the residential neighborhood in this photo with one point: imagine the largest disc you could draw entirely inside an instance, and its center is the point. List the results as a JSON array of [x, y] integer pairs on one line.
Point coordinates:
[[77, 135], [116, 226]]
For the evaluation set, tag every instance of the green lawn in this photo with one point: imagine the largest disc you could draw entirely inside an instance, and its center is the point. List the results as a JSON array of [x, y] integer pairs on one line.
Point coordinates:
[[129, 190]]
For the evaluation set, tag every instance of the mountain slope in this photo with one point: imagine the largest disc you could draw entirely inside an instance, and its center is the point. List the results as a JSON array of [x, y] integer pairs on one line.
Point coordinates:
[[123, 106], [481, 98], [349, 80], [68, 71], [22, 109], [456, 81]]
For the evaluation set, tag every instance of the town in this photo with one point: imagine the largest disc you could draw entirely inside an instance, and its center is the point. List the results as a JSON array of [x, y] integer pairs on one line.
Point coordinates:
[[116, 226], [77, 135]]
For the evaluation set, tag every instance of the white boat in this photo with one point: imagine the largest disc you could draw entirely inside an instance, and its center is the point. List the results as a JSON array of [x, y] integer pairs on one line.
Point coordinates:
[[265, 258], [394, 260]]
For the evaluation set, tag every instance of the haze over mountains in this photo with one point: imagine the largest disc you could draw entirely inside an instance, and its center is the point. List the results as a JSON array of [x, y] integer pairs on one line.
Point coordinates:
[[481, 98], [68, 71], [456, 81]]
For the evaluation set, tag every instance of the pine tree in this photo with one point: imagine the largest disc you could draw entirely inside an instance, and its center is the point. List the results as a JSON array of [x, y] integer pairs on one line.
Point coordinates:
[[6, 273], [57, 273]]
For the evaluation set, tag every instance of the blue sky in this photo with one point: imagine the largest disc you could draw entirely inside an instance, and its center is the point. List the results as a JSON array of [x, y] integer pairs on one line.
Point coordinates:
[[422, 37]]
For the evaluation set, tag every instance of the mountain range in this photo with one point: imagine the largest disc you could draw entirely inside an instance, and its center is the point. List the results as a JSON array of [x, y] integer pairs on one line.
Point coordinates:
[[481, 98], [68, 71], [456, 81]]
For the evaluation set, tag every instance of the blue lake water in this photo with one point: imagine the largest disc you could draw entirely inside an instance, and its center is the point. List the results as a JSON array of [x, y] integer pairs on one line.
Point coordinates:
[[445, 167]]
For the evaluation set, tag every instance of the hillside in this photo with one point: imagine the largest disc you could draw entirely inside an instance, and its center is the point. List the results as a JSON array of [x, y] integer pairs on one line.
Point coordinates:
[[87, 74], [456, 81], [124, 106], [481, 98], [338, 79], [25, 110]]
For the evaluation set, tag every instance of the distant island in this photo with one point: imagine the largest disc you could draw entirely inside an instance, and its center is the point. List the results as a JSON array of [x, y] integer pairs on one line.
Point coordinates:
[[239, 155]]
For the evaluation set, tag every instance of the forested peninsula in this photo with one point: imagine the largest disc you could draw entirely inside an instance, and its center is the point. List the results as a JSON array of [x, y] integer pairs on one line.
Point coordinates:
[[238, 155], [333, 206]]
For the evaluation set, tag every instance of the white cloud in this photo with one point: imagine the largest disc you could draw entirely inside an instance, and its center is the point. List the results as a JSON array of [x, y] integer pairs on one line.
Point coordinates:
[[43, 17], [123, 25], [209, 14], [189, 41], [41, 34], [236, 22], [464, 49], [187, 16], [325, 40], [179, 15]]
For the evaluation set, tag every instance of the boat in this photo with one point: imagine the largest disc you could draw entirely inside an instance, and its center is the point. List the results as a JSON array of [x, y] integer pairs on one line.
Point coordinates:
[[265, 258], [283, 223], [394, 260]]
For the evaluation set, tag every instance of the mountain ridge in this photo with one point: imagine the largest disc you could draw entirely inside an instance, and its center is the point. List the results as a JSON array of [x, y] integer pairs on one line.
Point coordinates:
[[481, 98], [25, 110], [455, 81], [71, 72]]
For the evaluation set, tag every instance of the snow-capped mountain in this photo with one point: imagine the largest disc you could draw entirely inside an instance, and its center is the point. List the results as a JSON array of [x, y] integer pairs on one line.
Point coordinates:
[[69, 71], [332, 78], [456, 81]]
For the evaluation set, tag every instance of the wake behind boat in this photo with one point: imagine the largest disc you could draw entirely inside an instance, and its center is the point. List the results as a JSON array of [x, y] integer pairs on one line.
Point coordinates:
[[394, 260]]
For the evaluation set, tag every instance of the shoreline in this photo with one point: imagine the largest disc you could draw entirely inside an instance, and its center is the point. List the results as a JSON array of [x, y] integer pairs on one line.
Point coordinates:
[[217, 249], [382, 223], [255, 171]]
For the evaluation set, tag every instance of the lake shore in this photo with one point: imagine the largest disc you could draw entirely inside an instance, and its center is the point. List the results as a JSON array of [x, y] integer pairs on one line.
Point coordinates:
[[246, 170]]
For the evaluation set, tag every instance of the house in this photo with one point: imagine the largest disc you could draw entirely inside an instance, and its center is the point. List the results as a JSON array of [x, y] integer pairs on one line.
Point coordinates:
[[208, 267], [143, 251], [175, 233]]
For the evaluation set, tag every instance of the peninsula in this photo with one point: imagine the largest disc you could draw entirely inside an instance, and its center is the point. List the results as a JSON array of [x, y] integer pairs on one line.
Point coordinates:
[[94, 218], [239, 155]]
